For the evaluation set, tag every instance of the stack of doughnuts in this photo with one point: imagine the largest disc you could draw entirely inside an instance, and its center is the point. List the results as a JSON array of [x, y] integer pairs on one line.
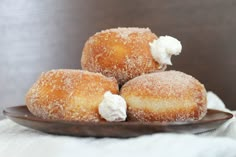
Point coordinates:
[[120, 57]]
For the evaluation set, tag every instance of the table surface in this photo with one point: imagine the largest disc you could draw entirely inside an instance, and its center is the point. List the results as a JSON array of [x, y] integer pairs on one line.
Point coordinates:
[[40, 35]]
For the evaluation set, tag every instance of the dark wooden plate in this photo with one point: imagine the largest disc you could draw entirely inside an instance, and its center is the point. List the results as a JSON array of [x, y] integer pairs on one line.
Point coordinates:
[[22, 116]]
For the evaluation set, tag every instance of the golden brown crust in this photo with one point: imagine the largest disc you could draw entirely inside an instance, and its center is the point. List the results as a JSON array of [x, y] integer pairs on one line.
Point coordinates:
[[123, 53], [165, 96], [69, 95]]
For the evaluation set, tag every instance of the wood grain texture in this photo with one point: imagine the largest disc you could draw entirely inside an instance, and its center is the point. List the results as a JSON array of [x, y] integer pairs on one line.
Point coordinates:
[[36, 36]]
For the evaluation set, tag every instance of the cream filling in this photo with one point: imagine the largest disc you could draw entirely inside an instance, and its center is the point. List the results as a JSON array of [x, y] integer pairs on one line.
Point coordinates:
[[113, 108], [163, 48]]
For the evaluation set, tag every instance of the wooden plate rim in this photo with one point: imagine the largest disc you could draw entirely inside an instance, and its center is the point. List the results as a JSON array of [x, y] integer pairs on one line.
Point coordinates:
[[7, 112]]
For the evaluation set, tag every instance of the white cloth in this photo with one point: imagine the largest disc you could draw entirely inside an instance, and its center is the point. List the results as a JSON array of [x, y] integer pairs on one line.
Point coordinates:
[[18, 141]]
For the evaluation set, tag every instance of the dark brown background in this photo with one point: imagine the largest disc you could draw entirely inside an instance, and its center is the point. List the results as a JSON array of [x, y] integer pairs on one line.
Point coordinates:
[[36, 36]]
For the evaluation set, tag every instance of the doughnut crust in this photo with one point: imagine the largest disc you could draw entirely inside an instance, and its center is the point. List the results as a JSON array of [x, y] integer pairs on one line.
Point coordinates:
[[72, 95], [123, 53], [168, 96]]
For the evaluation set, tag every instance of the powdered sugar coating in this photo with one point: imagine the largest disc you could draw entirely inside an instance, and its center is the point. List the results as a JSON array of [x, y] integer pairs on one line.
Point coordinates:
[[123, 53], [124, 32], [165, 96], [69, 95]]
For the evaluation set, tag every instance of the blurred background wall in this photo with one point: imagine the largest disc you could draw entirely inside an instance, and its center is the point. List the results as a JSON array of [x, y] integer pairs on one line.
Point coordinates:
[[38, 35]]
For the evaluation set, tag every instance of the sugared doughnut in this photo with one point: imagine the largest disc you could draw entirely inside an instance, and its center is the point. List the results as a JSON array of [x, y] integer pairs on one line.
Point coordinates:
[[165, 96], [72, 95], [123, 53]]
